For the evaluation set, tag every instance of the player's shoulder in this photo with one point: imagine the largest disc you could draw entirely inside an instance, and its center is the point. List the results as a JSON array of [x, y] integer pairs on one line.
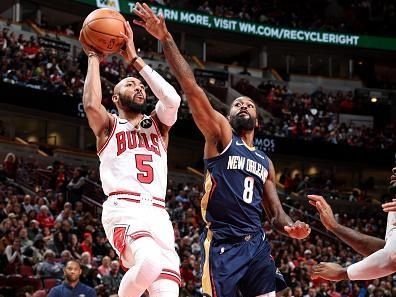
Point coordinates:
[[262, 155]]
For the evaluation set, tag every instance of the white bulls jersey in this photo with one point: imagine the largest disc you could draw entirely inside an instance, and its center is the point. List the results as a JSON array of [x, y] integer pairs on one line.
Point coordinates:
[[134, 159]]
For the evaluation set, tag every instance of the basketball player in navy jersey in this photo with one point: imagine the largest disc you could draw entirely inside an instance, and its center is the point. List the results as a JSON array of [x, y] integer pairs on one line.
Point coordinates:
[[239, 184]]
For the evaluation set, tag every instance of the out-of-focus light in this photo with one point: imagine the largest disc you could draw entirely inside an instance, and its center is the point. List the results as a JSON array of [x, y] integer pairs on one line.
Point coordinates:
[[373, 99], [138, 50], [360, 63]]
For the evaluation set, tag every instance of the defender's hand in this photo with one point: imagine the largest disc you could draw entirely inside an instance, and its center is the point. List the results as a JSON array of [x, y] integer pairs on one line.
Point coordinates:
[[155, 25], [389, 206], [130, 51], [329, 271], [298, 230], [325, 211]]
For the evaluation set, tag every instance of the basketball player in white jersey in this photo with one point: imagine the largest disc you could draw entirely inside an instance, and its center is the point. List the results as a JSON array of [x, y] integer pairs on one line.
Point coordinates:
[[381, 254], [133, 171]]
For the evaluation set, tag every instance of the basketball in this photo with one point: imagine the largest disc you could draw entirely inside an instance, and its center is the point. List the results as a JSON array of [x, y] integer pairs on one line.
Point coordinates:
[[101, 30]]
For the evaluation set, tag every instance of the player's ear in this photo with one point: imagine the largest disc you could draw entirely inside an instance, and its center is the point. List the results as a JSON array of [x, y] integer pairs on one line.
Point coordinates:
[[115, 98], [257, 123]]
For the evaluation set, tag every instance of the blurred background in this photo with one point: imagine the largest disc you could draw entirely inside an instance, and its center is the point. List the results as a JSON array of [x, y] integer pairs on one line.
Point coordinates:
[[322, 73]]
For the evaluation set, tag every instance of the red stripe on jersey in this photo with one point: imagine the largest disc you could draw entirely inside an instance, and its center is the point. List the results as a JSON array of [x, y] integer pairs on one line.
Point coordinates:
[[110, 136], [160, 135]]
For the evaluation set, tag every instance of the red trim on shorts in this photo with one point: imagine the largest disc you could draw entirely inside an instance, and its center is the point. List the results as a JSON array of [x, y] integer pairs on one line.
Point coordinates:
[[130, 200], [213, 284], [171, 275], [110, 136], [159, 134], [138, 201], [139, 234], [124, 193]]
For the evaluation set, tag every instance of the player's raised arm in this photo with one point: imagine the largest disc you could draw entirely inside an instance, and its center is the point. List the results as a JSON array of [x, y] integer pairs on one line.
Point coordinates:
[[99, 119], [212, 124], [361, 243], [274, 210]]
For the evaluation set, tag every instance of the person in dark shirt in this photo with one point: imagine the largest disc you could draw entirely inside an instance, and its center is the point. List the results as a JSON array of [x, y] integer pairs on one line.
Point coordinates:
[[72, 285]]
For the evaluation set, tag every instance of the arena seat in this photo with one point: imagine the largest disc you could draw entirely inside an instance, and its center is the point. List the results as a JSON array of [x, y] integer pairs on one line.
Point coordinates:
[[49, 283], [25, 270]]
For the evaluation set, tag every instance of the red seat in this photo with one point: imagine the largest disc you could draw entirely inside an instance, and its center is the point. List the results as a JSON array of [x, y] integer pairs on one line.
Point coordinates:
[[25, 270], [49, 283], [3, 281], [16, 281], [35, 282]]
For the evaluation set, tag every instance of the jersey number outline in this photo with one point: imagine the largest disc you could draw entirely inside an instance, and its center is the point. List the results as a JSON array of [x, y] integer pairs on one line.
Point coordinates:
[[248, 189], [146, 174]]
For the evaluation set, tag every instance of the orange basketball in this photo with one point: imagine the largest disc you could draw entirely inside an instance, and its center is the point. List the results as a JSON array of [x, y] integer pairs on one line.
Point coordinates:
[[102, 29]]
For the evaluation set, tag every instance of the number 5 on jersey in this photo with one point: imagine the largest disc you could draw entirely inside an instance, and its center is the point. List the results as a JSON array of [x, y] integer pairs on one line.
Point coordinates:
[[146, 174], [248, 189]]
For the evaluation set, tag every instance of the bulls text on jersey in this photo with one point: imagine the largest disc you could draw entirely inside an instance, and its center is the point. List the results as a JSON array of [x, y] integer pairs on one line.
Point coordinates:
[[133, 139]]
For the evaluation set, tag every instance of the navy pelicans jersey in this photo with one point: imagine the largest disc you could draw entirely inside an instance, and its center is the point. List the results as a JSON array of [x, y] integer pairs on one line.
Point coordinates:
[[234, 185]]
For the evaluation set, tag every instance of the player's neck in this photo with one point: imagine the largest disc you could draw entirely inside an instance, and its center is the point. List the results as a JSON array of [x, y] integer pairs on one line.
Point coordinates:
[[247, 136], [133, 117]]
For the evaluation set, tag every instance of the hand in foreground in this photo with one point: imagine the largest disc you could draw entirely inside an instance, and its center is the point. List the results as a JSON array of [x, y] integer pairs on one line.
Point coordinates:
[[389, 206], [325, 211], [130, 51], [154, 25], [89, 50], [298, 230], [329, 271]]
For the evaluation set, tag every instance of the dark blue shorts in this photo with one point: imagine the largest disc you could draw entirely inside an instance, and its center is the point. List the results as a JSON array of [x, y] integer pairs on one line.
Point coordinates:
[[239, 267]]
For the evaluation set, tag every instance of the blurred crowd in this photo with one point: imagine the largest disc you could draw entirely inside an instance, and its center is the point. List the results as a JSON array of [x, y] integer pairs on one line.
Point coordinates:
[[304, 116], [41, 231], [351, 16], [315, 117]]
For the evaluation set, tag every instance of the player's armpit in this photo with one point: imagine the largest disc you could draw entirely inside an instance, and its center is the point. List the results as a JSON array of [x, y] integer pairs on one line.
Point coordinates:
[[100, 121]]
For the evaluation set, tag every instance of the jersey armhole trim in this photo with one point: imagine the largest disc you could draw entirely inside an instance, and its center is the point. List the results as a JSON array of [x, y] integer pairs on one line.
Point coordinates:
[[222, 153], [110, 136], [159, 134]]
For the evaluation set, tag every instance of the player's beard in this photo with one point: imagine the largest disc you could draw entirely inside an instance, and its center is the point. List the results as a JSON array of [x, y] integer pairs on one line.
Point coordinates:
[[71, 279], [130, 106], [239, 123]]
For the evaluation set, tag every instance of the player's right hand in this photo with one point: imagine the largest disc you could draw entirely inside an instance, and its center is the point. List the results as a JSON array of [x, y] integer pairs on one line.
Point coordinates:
[[89, 49], [325, 211], [155, 25]]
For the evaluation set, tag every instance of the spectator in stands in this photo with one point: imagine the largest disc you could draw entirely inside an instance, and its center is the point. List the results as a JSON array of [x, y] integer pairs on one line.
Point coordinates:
[[27, 203], [101, 245], [86, 245], [72, 285], [75, 186], [44, 217], [66, 256], [105, 268], [25, 241], [10, 165], [14, 257], [49, 268], [113, 279], [74, 247]]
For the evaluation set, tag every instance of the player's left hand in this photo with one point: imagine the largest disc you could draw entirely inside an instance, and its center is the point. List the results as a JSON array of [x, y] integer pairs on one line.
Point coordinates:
[[298, 230], [130, 51], [329, 271], [154, 25]]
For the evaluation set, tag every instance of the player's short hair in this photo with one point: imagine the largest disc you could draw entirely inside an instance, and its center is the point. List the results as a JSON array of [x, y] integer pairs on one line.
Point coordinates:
[[74, 261]]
